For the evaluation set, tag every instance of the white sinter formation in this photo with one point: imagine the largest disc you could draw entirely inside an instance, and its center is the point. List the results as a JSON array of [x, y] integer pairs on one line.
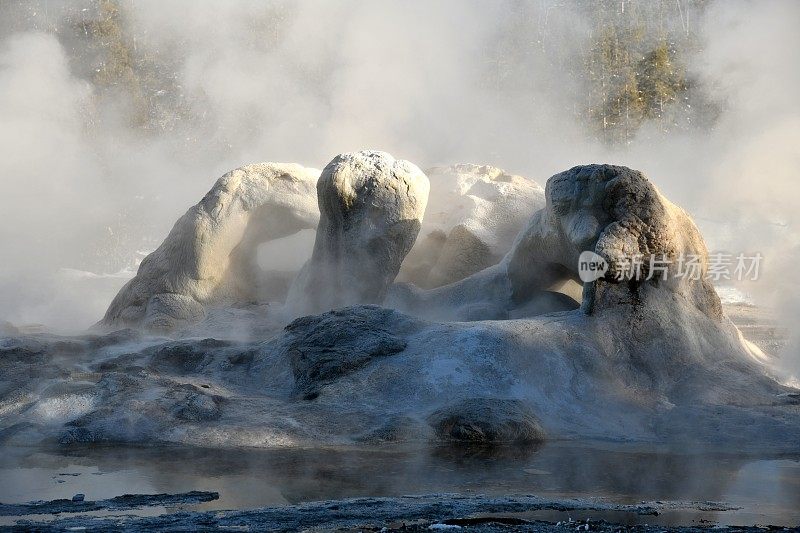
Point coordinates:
[[645, 360], [474, 214], [209, 257], [371, 209]]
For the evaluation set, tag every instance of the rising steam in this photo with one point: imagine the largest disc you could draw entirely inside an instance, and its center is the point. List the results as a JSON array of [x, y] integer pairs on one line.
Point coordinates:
[[117, 116]]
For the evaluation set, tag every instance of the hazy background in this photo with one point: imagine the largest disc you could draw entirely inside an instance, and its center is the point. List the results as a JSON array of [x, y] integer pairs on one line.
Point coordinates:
[[116, 116]]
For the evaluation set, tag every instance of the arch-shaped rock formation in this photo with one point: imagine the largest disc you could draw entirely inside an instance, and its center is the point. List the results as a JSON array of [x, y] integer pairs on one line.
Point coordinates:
[[209, 256]]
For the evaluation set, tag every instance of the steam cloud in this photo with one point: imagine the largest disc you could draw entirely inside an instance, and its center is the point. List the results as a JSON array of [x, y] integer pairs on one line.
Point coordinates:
[[432, 82]]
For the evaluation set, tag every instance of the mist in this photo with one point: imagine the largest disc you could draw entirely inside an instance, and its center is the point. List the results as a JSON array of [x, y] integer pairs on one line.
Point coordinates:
[[116, 117]]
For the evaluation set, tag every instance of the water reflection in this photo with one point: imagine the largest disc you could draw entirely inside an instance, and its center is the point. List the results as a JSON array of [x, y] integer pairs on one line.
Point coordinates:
[[768, 488]]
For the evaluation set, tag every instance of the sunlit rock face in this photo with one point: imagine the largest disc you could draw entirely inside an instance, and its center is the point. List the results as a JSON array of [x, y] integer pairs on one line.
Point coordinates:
[[209, 257], [614, 212], [371, 210], [473, 216], [618, 214]]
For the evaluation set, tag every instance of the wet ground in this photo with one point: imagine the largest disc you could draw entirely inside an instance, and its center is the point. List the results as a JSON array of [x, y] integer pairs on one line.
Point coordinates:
[[570, 483], [744, 490]]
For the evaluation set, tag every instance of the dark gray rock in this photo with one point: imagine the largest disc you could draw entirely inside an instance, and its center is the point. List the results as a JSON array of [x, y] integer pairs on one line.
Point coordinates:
[[323, 348], [117, 503], [407, 513], [185, 356], [487, 420], [198, 408]]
